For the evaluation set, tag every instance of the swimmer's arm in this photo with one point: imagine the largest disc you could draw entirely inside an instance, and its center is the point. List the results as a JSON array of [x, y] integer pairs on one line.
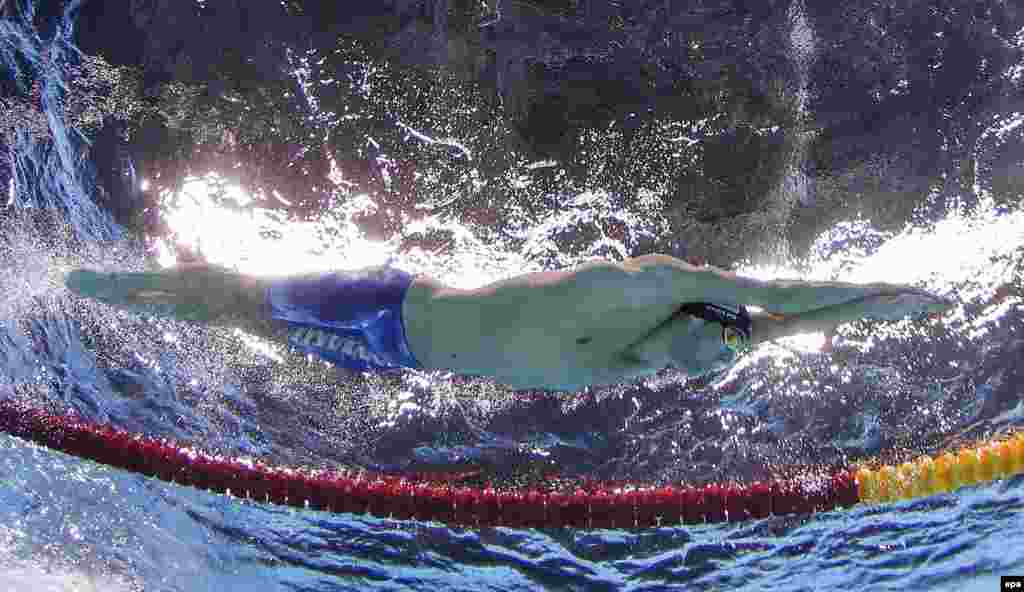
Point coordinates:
[[690, 283], [768, 327]]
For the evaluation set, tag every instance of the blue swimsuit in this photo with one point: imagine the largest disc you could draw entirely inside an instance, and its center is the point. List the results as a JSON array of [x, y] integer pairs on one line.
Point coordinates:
[[350, 318]]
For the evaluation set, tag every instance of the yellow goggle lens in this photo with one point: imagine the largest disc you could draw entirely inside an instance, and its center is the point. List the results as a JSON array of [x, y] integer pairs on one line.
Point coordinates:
[[732, 338]]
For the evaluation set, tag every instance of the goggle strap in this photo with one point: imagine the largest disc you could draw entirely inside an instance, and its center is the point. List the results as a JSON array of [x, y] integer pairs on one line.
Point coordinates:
[[716, 313]]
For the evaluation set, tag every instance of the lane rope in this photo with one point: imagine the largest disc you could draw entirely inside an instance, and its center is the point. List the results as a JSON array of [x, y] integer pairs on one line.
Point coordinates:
[[593, 505]]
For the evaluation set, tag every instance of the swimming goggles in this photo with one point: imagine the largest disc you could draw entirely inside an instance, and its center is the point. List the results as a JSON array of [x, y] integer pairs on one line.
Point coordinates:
[[736, 324], [734, 339]]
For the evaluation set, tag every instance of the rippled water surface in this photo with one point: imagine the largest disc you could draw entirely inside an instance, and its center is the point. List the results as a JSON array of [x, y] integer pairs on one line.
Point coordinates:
[[878, 390]]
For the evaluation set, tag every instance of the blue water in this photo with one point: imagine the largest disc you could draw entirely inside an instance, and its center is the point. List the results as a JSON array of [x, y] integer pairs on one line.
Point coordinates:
[[74, 525]]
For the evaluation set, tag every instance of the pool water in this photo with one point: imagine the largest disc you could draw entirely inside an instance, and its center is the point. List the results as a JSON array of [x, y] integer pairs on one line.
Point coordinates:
[[884, 390]]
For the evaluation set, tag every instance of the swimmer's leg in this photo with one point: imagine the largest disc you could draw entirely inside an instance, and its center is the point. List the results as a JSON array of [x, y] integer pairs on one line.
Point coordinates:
[[201, 293]]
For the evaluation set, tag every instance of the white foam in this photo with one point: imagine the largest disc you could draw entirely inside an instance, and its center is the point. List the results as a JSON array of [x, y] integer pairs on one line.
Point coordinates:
[[36, 578]]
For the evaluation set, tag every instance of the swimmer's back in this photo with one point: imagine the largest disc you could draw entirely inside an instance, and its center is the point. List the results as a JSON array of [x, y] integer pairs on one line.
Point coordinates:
[[556, 329]]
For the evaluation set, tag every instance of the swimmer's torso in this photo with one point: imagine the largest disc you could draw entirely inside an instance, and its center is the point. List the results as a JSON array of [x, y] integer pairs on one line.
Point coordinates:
[[557, 330]]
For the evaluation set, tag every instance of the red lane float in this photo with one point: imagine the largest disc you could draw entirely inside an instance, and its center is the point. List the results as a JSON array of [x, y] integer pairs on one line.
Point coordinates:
[[594, 505]]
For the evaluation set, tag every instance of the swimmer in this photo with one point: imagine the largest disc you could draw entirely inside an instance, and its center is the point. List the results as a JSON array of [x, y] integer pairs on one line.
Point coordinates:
[[600, 323]]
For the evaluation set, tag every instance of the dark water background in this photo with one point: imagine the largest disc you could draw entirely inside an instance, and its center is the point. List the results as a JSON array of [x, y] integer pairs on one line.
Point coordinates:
[[528, 136]]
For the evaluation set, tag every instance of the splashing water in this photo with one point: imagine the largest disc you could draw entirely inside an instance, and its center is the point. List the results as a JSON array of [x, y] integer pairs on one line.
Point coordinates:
[[235, 395]]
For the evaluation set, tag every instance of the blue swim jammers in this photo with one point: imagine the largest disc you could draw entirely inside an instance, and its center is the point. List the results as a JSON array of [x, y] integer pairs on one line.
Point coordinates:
[[350, 318]]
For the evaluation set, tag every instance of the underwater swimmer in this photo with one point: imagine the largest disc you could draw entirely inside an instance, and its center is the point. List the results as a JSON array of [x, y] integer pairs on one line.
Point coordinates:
[[600, 323]]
